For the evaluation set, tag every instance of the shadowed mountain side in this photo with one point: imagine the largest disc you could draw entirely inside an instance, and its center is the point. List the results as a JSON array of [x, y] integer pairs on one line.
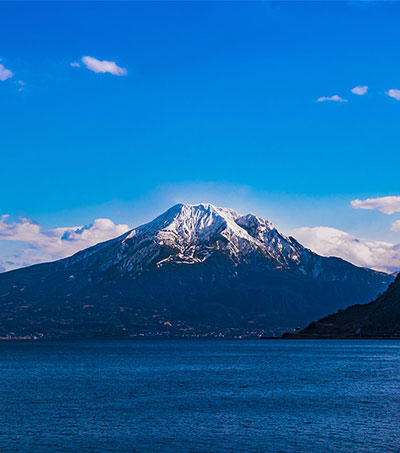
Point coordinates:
[[193, 271], [378, 319]]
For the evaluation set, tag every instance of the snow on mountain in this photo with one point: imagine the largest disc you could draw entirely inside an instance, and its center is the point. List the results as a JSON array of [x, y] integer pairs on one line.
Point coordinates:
[[194, 270], [188, 234]]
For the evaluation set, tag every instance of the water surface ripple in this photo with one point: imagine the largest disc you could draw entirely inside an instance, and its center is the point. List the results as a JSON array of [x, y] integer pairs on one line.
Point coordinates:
[[200, 396]]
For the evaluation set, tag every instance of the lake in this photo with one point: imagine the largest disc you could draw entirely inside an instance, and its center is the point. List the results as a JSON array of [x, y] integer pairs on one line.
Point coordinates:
[[200, 396]]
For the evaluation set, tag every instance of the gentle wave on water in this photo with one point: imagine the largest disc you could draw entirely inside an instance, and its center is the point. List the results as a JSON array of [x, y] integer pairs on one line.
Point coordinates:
[[200, 396]]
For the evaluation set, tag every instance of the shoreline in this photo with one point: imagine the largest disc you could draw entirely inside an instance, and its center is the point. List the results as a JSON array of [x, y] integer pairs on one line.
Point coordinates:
[[288, 336]]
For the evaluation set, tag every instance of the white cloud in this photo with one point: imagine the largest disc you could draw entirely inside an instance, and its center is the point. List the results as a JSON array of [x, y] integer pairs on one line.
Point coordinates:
[[394, 94], [21, 84], [75, 64], [360, 90], [327, 241], [5, 73], [103, 66], [335, 98], [395, 226], [387, 205], [46, 245]]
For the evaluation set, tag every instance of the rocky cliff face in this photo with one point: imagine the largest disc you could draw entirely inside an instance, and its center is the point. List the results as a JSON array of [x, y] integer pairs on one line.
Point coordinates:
[[194, 270]]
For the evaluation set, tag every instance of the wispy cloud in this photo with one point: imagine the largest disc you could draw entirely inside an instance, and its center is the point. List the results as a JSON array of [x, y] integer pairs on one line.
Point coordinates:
[[42, 245], [21, 86], [103, 66], [75, 64], [360, 90], [326, 241], [395, 94], [395, 226], [5, 73], [387, 205], [334, 98]]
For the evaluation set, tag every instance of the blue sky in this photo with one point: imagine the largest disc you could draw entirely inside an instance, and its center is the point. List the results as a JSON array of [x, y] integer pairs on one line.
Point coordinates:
[[219, 104]]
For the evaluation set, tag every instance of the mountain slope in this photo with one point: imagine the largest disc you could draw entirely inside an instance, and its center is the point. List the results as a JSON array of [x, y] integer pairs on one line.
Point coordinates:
[[194, 270], [380, 318]]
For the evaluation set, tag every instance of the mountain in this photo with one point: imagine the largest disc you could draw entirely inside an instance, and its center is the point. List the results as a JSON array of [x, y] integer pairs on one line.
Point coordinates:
[[378, 319], [196, 270]]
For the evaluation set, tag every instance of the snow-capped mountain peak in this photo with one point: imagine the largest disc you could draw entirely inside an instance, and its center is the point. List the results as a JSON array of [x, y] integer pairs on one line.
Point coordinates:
[[192, 222], [188, 234], [195, 267]]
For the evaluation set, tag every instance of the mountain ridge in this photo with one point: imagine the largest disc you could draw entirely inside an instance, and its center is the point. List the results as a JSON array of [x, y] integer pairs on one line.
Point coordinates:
[[378, 319], [212, 269]]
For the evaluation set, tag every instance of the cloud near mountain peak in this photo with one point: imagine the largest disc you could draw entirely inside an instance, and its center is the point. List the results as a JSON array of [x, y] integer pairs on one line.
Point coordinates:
[[326, 241], [41, 245]]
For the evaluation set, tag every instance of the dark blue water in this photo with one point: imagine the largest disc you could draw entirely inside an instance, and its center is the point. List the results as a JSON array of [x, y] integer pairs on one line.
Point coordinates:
[[200, 396]]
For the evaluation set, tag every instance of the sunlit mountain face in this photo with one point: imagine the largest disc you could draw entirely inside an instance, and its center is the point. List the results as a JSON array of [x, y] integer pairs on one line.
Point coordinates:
[[196, 270]]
